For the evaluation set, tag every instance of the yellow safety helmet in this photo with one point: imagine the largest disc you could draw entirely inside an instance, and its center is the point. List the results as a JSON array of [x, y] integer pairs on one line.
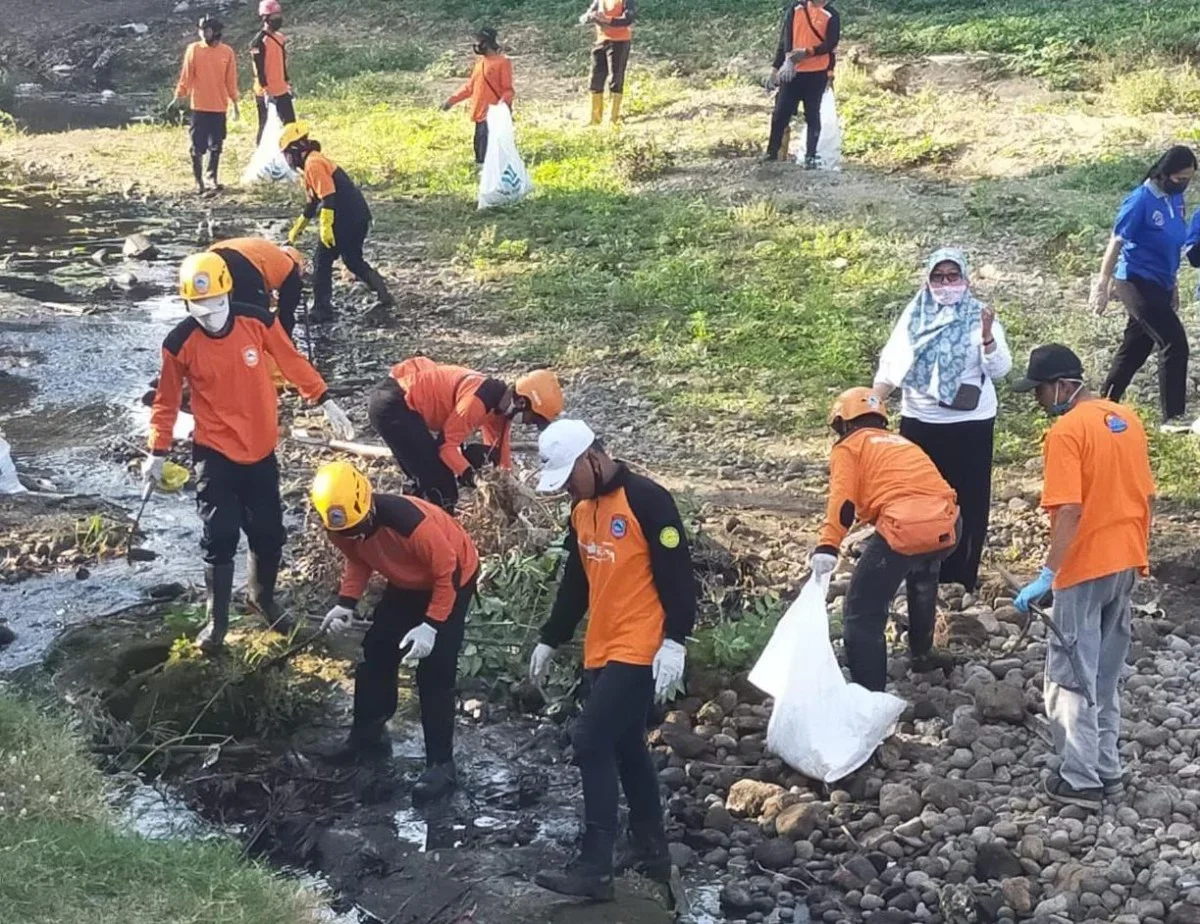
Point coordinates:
[[341, 495], [540, 388], [204, 275], [854, 403], [293, 132]]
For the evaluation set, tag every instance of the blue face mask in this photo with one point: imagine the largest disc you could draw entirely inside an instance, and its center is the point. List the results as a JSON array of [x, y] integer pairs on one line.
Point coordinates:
[[1061, 407]]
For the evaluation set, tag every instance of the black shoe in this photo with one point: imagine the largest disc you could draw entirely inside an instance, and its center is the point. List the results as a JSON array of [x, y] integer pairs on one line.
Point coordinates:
[[361, 748], [436, 782], [218, 580], [376, 284], [321, 313], [933, 660], [651, 861], [811, 163], [579, 880], [768, 158], [1113, 788], [1063, 793]]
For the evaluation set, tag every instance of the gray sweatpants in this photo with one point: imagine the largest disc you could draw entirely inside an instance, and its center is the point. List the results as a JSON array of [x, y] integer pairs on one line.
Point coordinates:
[[1094, 618]]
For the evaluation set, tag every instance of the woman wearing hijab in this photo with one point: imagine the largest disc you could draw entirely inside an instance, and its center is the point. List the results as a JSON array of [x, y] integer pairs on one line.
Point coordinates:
[[944, 353], [1140, 268]]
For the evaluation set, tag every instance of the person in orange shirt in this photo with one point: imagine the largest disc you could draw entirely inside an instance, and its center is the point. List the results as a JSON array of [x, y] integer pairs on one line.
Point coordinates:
[[268, 53], [209, 79], [220, 351], [629, 568], [610, 55], [490, 83], [431, 567], [425, 411], [343, 215], [265, 275], [1099, 492], [879, 477], [804, 61]]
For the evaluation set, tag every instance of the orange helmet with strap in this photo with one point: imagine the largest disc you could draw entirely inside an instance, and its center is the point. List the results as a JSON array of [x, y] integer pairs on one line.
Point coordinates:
[[541, 389]]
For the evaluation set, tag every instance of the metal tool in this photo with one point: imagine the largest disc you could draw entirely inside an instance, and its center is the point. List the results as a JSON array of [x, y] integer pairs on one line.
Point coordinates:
[[1072, 653], [146, 492]]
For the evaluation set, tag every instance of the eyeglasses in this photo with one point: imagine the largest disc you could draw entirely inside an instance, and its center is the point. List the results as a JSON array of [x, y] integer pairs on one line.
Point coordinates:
[[945, 277]]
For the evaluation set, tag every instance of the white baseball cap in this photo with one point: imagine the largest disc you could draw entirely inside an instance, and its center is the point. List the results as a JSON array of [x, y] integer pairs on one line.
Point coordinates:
[[560, 445]]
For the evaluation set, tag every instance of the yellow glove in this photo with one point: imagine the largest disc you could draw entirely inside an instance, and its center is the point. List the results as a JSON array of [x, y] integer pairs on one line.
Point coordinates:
[[327, 228], [297, 229]]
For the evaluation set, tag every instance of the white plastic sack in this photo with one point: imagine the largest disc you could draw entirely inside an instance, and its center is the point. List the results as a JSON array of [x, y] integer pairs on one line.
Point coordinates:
[[9, 482], [267, 164], [503, 179], [829, 145], [822, 726]]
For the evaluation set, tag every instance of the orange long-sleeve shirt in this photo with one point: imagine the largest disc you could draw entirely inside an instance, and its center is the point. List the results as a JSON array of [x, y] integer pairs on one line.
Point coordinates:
[[233, 396], [455, 402], [415, 545], [491, 82], [208, 77], [868, 470]]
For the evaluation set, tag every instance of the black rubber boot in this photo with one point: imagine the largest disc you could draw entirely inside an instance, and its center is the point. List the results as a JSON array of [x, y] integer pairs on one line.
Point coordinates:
[[261, 574], [436, 782], [933, 660], [214, 165], [811, 162], [581, 879], [647, 856], [218, 579], [321, 313], [376, 284], [198, 172], [368, 743]]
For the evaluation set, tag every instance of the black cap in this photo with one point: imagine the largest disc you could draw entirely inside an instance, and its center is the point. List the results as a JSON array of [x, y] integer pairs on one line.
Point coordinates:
[[1050, 363]]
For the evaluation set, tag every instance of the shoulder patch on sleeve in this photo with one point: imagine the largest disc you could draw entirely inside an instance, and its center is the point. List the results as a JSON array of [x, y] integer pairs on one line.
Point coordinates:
[[668, 537], [174, 341]]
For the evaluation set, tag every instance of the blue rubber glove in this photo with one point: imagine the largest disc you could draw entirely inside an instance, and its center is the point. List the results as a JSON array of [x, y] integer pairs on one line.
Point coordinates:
[[1032, 592]]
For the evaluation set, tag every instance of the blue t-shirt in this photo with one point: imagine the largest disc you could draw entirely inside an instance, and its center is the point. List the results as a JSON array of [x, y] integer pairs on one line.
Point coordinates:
[[1154, 228]]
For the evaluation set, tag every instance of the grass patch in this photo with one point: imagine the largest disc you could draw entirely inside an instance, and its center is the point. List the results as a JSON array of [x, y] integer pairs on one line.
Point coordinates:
[[61, 859]]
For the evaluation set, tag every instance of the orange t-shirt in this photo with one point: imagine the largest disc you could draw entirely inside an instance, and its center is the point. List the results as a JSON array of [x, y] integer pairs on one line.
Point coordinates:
[[491, 82], [1097, 456], [209, 77]]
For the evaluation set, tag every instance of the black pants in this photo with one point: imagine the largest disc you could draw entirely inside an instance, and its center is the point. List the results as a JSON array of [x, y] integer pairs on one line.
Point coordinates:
[[962, 452], [807, 87], [207, 133], [409, 439], [232, 497], [349, 235], [481, 140], [290, 294], [375, 679], [1153, 323], [283, 105], [868, 600], [610, 746], [609, 58]]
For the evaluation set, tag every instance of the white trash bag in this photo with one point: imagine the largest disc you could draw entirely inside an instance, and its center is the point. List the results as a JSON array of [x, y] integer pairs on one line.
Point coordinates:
[[267, 164], [821, 725], [503, 179], [829, 145], [9, 482]]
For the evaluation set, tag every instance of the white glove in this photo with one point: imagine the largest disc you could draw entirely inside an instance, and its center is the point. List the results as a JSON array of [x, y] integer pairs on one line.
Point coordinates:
[[1098, 300], [339, 423], [422, 639], [337, 619], [786, 72], [668, 667], [822, 564], [152, 469], [539, 664]]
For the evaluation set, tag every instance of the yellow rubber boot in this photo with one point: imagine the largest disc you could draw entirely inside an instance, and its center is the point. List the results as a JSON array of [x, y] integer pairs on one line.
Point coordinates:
[[615, 116], [597, 108]]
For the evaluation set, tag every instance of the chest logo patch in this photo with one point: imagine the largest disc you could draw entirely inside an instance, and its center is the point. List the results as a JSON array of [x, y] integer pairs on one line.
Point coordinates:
[[1115, 424], [669, 537], [250, 355], [619, 527], [1157, 219]]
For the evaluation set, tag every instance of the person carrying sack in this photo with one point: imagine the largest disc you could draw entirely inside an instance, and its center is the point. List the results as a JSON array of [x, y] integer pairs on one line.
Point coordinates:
[[804, 59], [881, 478], [268, 54], [613, 20], [490, 83]]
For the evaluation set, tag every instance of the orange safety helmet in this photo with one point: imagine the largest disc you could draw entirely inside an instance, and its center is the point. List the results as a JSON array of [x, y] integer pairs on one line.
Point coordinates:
[[541, 389], [854, 403]]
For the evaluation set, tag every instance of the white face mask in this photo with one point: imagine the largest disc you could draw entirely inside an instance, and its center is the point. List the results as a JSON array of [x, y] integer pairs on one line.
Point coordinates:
[[210, 313], [949, 294]]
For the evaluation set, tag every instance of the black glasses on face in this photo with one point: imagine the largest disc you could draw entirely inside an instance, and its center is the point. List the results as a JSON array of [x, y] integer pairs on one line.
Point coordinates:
[[945, 277]]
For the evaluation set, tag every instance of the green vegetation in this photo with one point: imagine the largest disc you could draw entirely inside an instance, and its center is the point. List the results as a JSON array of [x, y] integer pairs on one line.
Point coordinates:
[[61, 859]]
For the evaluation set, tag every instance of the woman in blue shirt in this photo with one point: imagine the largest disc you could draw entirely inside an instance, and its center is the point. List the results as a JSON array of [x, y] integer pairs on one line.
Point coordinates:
[[1139, 268]]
